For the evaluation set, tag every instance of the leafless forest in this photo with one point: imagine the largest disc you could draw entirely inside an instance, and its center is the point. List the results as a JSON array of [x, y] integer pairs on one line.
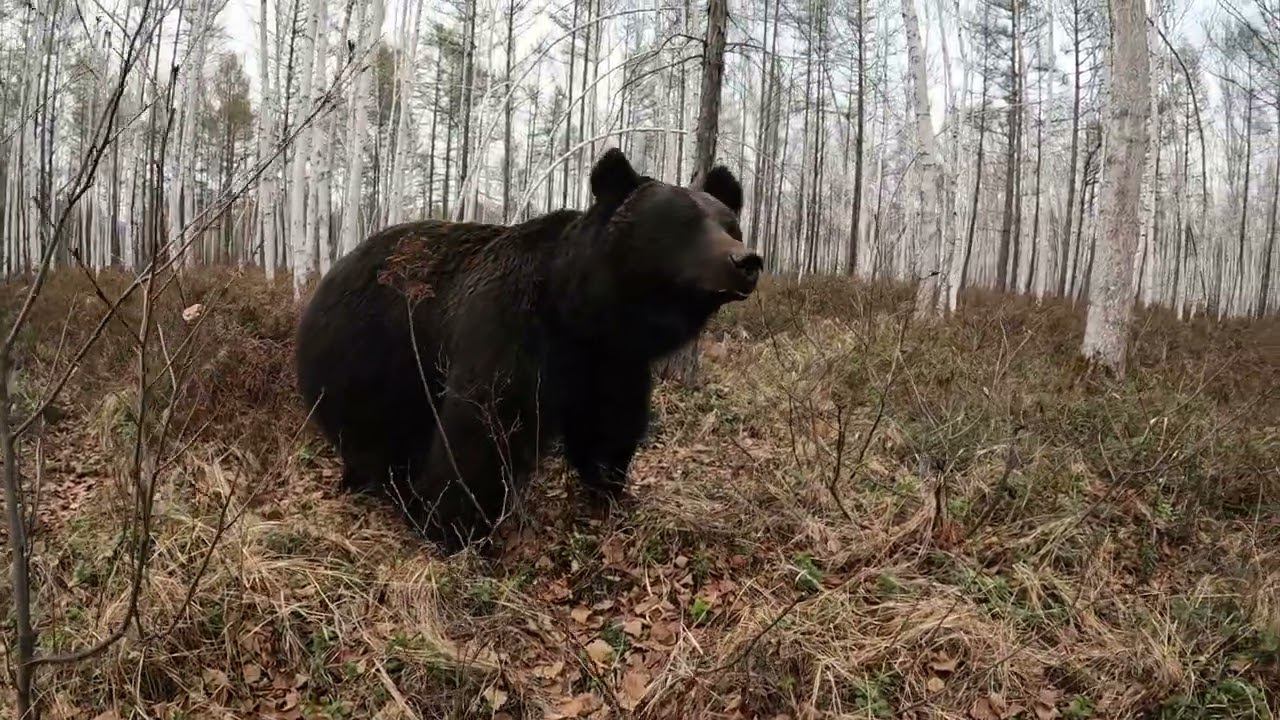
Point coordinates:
[[278, 135], [996, 437]]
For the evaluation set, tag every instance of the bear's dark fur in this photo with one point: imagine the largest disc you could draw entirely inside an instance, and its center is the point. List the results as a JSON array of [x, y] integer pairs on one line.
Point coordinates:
[[442, 358]]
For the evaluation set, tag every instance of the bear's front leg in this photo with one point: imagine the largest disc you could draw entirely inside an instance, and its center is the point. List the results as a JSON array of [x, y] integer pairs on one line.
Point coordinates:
[[605, 419], [469, 479]]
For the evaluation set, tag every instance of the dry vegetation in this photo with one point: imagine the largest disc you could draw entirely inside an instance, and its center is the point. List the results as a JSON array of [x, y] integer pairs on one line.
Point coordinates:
[[855, 516]]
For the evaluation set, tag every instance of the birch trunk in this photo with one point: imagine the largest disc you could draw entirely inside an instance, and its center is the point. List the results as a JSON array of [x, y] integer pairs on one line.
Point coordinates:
[[303, 262], [318, 232], [929, 167], [1110, 287], [359, 127], [266, 141], [395, 204]]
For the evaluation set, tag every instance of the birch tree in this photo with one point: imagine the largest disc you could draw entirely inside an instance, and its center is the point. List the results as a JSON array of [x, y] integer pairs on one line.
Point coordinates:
[[371, 28], [303, 261], [319, 197], [405, 89], [266, 146], [1111, 294], [929, 269]]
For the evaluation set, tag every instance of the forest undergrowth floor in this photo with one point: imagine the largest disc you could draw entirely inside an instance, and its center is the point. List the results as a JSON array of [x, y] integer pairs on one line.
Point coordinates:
[[854, 515]]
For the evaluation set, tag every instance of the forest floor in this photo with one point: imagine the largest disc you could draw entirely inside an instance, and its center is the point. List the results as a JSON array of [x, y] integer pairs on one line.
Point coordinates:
[[854, 515]]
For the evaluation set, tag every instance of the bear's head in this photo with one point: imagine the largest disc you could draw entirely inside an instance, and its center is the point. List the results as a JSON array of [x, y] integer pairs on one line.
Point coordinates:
[[675, 254]]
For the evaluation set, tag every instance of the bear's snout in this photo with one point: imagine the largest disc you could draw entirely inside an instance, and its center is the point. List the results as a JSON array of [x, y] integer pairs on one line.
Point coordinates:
[[746, 268], [732, 270]]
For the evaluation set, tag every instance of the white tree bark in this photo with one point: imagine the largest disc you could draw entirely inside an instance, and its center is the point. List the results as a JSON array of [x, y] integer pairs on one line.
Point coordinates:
[[318, 240], [359, 127], [408, 65], [1143, 275], [181, 173], [200, 38], [266, 141], [1111, 284], [929, 269], [303, 262], [949, 293]]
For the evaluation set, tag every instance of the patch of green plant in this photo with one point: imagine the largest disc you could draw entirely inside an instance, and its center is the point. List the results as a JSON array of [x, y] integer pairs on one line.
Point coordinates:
[[321, 641], [617, 639], [808, 575], [1230, 699], [1214, 616], [307, 454], [701, 567], [958, 508], [215, 621], [700, 610], [888, 585], [521, 577], [1266, 646], [85, 573], [871, 696], [483, 595], [655, 550], [1080, 708], [286, 543], [584, 549]]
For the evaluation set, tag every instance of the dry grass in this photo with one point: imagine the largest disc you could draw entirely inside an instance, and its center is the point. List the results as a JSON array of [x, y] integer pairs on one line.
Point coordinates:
[[851, 518]]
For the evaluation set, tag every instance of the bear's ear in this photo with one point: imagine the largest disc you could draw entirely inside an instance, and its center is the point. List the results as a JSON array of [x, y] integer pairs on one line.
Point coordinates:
[[613, 178], [723, 186]]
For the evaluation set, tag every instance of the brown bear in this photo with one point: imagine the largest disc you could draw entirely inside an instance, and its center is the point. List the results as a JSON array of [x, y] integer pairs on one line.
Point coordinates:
[[442, 359]]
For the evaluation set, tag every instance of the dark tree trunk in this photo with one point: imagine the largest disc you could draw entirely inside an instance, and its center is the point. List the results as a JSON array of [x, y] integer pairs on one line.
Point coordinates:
[[1264, 289], [506, 129], [1244, 200], [682, 366], [855, 220]]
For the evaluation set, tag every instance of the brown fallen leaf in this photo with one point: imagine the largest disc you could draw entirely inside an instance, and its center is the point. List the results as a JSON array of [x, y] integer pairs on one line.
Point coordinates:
[[496, 697], [549, 671], [600, 652], [580, 615], [252, 673], [573, 707], [663, 632], [390, 710], [935, 685], [634, 685], [634, 627], [982, 710], [944, 665], [215, 678], [1046, 704]]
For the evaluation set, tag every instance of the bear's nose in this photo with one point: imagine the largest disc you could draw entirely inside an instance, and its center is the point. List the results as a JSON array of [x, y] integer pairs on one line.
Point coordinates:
[[749, 264]]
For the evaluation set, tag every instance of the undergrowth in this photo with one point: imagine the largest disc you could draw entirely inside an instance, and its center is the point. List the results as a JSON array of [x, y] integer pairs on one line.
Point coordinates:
[[856, 514]]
